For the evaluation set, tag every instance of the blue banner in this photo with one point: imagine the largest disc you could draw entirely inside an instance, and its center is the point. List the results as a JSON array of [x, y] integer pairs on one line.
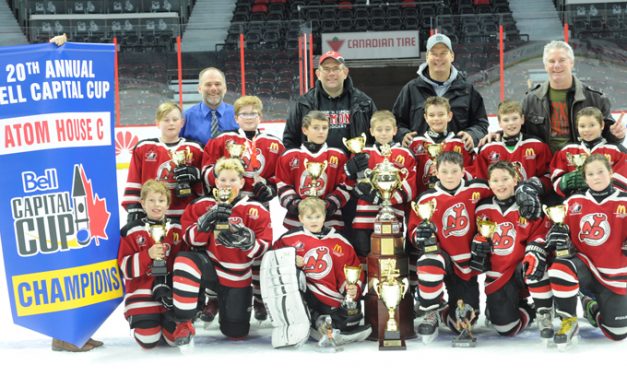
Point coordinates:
[[58, 192]]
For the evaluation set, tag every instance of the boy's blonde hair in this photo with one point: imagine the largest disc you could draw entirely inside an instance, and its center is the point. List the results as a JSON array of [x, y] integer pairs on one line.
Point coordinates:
[[592, 112], [155, 186], [314, 115], [311, 205], [381, 116], [165, 108], [437, 101], [507, 107], [229, 164], [248, 100]]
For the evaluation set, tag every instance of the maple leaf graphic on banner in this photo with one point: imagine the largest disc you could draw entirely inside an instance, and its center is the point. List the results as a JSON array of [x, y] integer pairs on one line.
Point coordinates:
[[97, 209]]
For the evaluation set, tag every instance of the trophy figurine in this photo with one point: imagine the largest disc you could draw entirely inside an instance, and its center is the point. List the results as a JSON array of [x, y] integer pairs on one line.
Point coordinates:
[[464, 314], [327, 341], [315, 171], [157, 233], [425, 211], [391, 292], [557, 214], [222, 196], [182, 158], [356, 145], [352, 274]]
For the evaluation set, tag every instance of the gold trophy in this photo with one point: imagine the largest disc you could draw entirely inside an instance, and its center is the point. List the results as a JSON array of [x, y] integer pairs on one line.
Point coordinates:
[[356, 145], [182, 158], [425, 211], [434, 150], [557, 214], [315, 171], [235, 150], [157, 233], [352, 274], [576, 160], [486, 228], [391, 292], [222, 196]]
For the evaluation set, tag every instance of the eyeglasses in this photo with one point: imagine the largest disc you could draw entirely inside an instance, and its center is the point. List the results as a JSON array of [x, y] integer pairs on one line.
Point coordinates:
[[331, 69], [248, 115]]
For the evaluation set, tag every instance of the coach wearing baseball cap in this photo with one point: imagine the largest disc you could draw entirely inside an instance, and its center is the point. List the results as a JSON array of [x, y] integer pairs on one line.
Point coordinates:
[[348, 108], [438, 77]]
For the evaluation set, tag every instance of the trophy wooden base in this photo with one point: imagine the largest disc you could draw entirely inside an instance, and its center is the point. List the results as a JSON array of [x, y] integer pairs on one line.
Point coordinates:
[[392, 341], [464, 342]]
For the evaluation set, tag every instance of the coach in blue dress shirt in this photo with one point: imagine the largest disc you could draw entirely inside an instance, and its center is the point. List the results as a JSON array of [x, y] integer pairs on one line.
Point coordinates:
[[212, 116]]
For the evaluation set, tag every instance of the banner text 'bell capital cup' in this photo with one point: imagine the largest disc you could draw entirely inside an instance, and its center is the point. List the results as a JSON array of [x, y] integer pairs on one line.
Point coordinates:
[[58, 192]]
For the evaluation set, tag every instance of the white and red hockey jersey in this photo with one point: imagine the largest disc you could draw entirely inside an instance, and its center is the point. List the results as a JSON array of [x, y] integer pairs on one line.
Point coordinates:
[[402, 159], [454, 218], [152, 159], [233, 265], [293, 181], [259, 157], [531, 157], [324, 258], [513, 233], [562, 162], [425, 167], [135, 264], [599, 232]]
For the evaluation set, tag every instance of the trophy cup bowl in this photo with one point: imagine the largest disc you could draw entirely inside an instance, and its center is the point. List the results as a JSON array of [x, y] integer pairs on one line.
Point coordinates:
[[557, 214], [486, 228], [235, 150], [222, 196], [391, 292], [157, 233], [434, 150], [352, 274], [386, 178], [355, 144], [315, 171]]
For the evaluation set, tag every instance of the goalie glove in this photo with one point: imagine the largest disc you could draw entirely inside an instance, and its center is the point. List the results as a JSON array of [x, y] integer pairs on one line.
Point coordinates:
[[218, 213], [238, 237], [186, 174], [528, 198], [480, 250], [534, 262], [356, 166]]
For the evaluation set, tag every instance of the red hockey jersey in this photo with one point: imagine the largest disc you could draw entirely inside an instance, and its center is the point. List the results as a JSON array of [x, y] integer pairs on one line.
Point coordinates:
[[402, 159], [259, 157], [135, 264], [599, 231], [425, 166], [293, 181], [233, 265], [562, 162], [152, 159], [509, 241], [325, 257], [454, 218], [531, 156]]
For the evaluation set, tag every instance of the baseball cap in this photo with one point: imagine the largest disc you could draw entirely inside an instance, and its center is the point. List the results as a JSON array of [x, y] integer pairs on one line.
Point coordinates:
[[333, 55], [438, 38]]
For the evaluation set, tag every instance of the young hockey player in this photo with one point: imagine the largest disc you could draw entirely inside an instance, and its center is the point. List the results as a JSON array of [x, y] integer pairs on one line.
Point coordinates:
[[295, 182], [530, 156], [565, 170], [322, 253], [144, 310], [169, 158], [222, 259], [383, 129], [501, 256], [259, 154], [596, 232], [437, 115]]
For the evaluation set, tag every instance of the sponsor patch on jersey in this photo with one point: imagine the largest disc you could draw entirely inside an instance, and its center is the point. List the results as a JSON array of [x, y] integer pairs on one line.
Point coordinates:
[[140, 240], [530, 153], [620, 211], [151, 156], [294, 163], [575, 208], [494, 157]]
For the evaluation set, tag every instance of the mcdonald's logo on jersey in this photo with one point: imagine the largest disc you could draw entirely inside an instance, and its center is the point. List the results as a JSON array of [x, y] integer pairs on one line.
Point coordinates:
[[333, 161], [176, 238], [400, 160], [609, 158], [475, 197], [457, 149], [522, 222], [530, 153], [274, 147], [338, 250], [253, 213], [620, 211]]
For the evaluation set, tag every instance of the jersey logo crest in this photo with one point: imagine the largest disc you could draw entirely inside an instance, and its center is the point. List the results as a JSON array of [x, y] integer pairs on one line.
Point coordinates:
[[455, 221], [594, 229], [504, 239], [318, 262]]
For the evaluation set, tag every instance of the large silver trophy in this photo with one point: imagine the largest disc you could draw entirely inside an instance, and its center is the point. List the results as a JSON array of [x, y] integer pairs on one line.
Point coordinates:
[[386, 178]]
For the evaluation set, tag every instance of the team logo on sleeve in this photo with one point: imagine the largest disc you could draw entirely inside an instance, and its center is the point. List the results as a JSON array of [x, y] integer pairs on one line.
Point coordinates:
[[318, 262], [455, 221], [504, 239], [594, 229]]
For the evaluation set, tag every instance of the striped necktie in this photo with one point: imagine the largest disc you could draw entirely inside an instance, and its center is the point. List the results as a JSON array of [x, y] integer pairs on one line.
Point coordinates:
[[214, 124]]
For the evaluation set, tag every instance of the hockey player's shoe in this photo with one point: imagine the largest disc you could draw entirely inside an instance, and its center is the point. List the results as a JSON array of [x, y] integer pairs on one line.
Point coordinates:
[[590, 309], [567, 333], [545, 323], [210, 310], [183, 333], [428, 328], [261, 313]]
